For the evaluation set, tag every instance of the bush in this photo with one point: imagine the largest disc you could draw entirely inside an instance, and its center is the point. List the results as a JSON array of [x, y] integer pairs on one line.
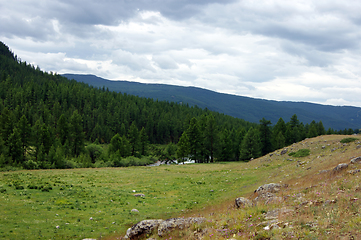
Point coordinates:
[[300, 153], [348, 140], [30, 164]]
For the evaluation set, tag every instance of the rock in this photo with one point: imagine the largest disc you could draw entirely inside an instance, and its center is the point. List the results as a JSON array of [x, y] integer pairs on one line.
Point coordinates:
[[134, 210], [354, 171], [267, 198], [177, 223], [243, 202], [284, 151], [142, 227], [330, 202], [273, 200], [358, 146], [355, 160], [273, 214], [139, 195], [323, 147], [270, 187], [323, 171], [277, 225], [340, 167]]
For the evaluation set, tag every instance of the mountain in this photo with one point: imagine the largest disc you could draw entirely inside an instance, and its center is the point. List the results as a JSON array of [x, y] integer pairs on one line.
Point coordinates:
[[249, 109]]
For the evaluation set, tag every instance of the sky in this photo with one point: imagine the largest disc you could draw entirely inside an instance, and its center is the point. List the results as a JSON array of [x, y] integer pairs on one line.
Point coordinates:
[[307, 50]]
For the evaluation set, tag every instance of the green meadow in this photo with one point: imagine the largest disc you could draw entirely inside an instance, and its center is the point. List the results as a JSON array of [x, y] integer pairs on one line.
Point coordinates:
[[84, 203]]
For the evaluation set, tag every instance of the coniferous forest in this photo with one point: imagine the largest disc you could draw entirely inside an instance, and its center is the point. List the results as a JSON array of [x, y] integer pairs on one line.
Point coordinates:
[[48, 121]]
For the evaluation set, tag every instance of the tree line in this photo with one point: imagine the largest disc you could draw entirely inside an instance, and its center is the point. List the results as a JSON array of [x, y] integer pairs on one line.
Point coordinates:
[[48, 121], [46, 118]]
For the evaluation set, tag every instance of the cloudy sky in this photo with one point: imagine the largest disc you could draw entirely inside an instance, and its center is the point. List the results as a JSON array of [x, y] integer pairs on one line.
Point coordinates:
[[307, 50]]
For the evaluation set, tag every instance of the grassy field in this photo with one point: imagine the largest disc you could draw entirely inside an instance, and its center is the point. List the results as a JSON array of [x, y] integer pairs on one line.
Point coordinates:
[[94, 203], [79, 203]]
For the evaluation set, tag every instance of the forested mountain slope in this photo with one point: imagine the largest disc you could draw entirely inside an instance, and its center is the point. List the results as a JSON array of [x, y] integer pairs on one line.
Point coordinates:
[[43, 115], [246, 108]]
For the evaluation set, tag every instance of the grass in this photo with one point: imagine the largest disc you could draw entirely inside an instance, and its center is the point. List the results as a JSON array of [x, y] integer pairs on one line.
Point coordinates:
[[325, 206], [90, 203], [36, 202]]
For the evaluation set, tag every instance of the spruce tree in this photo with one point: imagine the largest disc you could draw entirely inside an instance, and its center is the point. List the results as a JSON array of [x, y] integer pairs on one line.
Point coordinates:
[[265, 136], [183, 147], [194, 138], [76, 134], [250, 147], [133, 137]]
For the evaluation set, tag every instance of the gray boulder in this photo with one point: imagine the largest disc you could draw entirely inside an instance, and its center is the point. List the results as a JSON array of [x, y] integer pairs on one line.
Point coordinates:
[[355, 160], [177, 223], [142, 227], [340, 167], [270, 187], [284, 151], [139, 195], [243, 202]]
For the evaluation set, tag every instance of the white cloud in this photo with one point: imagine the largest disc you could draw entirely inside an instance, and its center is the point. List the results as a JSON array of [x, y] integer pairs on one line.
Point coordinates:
[[282, 50]]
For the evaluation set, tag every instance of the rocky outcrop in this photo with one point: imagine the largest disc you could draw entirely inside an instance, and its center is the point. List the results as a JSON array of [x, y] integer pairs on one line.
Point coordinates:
[[270, 187], [284, 151], [162, 226], [142, 227], [243, 202], [340, 167], [354, 171], [177, 223], [355, 160]]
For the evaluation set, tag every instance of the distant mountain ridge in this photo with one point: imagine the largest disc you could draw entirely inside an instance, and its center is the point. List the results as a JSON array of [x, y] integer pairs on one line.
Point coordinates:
[[249, 109]]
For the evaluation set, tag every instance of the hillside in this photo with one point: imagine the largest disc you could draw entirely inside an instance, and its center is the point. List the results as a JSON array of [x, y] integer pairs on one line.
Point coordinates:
[[249, 109], [311, 197], [312, 201]]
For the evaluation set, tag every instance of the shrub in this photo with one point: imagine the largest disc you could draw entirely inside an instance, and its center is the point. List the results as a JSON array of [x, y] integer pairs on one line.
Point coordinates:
[[348, 140], [300, 153], [30, 164]]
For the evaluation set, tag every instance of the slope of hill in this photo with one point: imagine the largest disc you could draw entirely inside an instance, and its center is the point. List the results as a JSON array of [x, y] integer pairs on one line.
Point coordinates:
[[249, 109], [315, 196]]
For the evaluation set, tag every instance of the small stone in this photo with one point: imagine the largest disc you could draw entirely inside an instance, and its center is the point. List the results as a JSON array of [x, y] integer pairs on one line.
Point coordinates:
[[134, 210], [139, 195], [243, 202]]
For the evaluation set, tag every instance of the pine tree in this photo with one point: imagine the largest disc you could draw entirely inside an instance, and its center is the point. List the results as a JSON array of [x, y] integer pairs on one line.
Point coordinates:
[[143, 141], [133, 137], [63, 129], [210, 136], [320, 128], [15, 146], [183, 147], [25, 133], [265, 136], [76, 134], [226, 146], [250, 147], [279, 141], [194, 138]]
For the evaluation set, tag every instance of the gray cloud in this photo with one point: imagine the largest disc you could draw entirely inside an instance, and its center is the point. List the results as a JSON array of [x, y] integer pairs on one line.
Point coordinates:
[[269, 50]]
